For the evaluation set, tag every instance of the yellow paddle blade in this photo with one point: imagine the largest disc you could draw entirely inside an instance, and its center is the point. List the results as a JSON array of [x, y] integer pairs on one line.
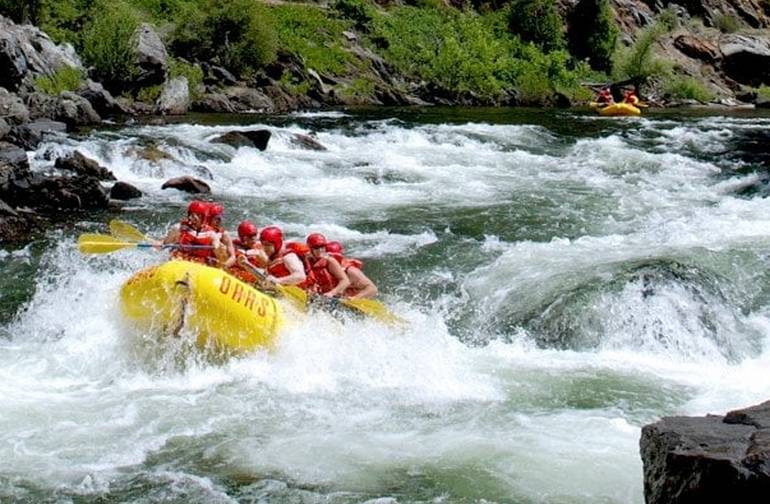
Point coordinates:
[[374, 309], [91, 243], [124, 231], [294, 293]]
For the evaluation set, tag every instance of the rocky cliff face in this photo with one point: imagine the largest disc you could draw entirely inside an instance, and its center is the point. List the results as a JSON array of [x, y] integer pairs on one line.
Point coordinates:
[[708, 459]]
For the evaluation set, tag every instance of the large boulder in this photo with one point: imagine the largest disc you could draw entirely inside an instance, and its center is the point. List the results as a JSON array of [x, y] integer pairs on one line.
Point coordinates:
[[30, 135], [100, 99], [150, 56], [257, 139], [67, 107], [708, 459], [249, 99], [187, 184], [696, 47], [214, 102], [746, 58], [26, 53], [81, 165], [175, 97], [12, 108], [14, 168], [67, 193], [124, 191]]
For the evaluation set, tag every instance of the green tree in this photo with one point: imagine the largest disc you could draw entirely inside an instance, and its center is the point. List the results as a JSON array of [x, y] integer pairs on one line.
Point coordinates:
[[238, 34], [593, 34], [538, 22]]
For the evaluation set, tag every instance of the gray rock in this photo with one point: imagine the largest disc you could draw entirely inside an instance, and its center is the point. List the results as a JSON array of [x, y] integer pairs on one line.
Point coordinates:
[[30, 135], [124, 191], [707, 459], [5, 128], [81, 165], [214, 102], [6, 209], [12, 108], [67, 193], [72, 109], [257, 139], [26, 52], [14, 166], [187, 184], [100, 99], [249, 99], [746, 58], [175, 97], [307, 142], [151, 57], [217, 75]]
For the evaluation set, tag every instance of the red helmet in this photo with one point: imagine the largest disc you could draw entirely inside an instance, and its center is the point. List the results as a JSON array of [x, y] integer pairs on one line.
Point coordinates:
[[273, 235], [216, 211], [334, 247], [198, 208], [247, 229], [316, 240]]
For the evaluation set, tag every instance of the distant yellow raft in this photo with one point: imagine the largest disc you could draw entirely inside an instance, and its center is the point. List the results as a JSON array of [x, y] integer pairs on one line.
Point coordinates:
[[225, 313], [618, 109]]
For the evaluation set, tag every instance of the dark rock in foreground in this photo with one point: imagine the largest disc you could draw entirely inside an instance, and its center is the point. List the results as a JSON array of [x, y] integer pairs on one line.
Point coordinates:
[[708, 459], [124, 191]]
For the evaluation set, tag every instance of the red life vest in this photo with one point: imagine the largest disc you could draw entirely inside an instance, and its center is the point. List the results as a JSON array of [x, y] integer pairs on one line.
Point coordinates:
[[243, 250], [278, 269], [323, 279], [202, 237]]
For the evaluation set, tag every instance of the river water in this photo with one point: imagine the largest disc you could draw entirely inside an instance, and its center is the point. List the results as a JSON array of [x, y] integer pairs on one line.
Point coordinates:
[[566, 279]]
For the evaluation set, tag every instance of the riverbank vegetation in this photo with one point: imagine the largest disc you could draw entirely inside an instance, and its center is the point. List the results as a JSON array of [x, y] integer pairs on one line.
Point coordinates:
[[517, 51]]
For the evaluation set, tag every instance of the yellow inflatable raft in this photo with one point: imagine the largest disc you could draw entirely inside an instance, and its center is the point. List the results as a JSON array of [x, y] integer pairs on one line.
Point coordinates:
[[618, 109], [225, 313]]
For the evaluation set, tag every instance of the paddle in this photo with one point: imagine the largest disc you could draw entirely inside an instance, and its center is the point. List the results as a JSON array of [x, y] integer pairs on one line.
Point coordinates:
[[293, 292], [369, 307], [92, 243], [126, 232]]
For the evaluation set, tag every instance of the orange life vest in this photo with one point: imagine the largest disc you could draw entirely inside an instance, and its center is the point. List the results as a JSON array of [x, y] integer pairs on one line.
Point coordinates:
[[323, 279], [278, 269]]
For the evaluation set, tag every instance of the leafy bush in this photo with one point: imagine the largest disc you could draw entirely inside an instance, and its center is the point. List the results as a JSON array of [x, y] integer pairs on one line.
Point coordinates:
[[21, 11], [538, 22], [726, 23], [763, 92], [638, 62], [687, 88], [66, 78], [593, 33], [237, 34], [307, 31], [107, 43], [193, 73], [358, 11], [149, 94]]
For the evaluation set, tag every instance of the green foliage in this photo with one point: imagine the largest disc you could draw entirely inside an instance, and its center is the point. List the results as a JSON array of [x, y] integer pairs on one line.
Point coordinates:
[[149, 94], [593, 33], [538, 22], [687, 88], [238, 34], [668, 18], [763, 92], [65, 20], [107, 43], [66, 78], [467, 53], [307, 31], [357, 11], [726, 23], [193, 73], [638, 62]]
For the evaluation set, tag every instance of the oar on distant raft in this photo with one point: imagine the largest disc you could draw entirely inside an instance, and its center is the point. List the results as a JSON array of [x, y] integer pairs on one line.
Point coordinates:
[[93, 243]]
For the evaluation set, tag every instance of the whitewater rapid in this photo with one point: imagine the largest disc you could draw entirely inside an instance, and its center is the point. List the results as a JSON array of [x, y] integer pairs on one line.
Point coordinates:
[[565, 282]]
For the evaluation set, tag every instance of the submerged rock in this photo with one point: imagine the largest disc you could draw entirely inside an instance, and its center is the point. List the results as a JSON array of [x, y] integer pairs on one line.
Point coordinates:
[[708, 459], [257, 139], [124, 191], [78, 163], [187, 184]]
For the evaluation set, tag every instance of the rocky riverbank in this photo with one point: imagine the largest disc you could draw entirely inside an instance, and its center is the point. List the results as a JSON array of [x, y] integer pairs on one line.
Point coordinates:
[[731, 68], [708, 459]]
